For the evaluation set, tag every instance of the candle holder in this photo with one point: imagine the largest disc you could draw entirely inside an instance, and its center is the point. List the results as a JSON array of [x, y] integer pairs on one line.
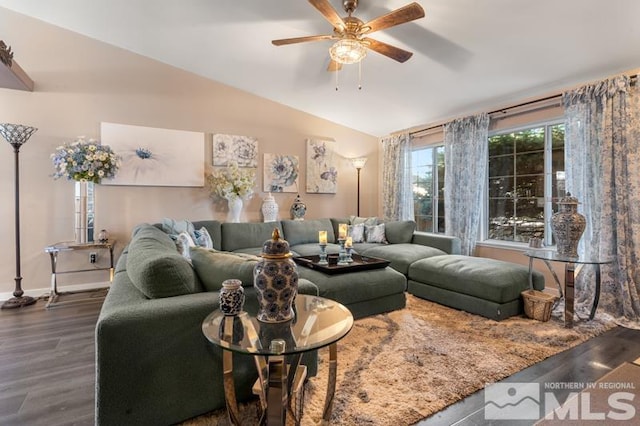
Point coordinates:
[[323, 255], [342, 254], [349, 250]]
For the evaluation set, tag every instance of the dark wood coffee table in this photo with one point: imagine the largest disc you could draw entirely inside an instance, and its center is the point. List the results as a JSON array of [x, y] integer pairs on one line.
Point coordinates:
[[360, 263]]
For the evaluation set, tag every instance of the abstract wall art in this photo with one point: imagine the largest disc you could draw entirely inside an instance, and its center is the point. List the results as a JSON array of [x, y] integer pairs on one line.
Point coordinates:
[[322, 174], [242, 150], [281, 173], [155, 157]]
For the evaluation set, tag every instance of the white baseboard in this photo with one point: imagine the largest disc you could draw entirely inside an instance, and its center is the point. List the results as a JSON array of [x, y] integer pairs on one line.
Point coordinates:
[[39, 292]]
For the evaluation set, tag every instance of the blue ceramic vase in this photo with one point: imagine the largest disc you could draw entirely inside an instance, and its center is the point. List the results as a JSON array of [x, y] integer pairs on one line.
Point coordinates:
[[275, 278]]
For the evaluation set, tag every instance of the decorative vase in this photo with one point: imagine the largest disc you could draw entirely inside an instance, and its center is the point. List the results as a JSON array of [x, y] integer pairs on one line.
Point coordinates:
[[269, 209], [103, 236], [231, 297], [568, 226], [275, 278], [298, 209], [84, 211], [235, 209]]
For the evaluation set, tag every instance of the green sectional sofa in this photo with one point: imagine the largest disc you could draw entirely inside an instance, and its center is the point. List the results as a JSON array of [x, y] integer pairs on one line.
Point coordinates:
[[153, 364]]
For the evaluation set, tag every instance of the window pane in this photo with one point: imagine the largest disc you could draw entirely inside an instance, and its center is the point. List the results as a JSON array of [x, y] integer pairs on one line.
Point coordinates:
[[500, 144], [517, 191], [428, 182], [501, 166], [531, 163], [530, 186], [530, 140], [500, 187]]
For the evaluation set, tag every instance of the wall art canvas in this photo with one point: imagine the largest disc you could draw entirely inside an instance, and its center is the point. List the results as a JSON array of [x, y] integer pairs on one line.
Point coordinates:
[[155, 157], [322, 173], [281, 173], [241, 149]]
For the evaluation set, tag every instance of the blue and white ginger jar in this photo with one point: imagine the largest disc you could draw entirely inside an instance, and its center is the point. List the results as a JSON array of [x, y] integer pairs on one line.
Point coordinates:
[[275, 278]]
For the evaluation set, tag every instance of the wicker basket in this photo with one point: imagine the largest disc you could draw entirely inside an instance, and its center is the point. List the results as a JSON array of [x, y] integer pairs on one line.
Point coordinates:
[[538, 304]]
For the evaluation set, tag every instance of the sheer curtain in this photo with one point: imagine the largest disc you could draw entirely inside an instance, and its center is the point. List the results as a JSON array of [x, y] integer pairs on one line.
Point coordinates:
[[465, 155], [397, 194], [602, 157]]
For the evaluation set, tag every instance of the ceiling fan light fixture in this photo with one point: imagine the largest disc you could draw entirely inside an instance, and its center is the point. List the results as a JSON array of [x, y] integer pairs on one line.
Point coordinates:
[[348, 51]]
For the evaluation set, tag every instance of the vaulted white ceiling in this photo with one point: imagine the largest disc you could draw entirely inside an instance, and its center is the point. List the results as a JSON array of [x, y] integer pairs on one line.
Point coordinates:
[[469, 55]]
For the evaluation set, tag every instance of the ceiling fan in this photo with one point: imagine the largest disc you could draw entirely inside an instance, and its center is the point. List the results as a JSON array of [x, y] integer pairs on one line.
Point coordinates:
[[351, 33]]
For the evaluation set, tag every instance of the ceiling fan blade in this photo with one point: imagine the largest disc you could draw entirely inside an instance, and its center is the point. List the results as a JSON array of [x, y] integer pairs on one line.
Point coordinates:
[[334, 66], [285, 41], [405, 14], [329, 13], [385, 49]]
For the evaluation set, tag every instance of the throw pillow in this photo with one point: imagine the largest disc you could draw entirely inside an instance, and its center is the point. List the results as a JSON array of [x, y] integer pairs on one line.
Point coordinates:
[[202, 238], [375, 234], [367, 221], [213, 267], [356, 232], [184, 242], [174, 227]]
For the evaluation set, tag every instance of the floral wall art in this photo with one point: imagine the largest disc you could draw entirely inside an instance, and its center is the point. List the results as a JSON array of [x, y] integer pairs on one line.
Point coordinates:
[[322, 174], [281, 173], [242, 150], [155, 157]]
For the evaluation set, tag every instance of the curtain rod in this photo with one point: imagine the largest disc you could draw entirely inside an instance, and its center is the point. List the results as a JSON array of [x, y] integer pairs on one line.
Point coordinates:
[[633, 80], [505, 109]]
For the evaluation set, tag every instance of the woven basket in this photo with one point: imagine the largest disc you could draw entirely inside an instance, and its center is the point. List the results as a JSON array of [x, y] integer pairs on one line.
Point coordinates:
[[538, 304]]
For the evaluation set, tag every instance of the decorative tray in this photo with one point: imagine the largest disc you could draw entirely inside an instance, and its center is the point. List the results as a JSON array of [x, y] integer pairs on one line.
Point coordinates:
[[360, 263]]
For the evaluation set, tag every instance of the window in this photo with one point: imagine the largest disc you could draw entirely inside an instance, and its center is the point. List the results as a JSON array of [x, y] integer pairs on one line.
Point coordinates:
[[427, 181], [523, 170]]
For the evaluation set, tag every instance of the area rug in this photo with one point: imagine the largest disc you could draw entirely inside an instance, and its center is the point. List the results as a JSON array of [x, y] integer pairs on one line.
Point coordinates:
[[400, 367]]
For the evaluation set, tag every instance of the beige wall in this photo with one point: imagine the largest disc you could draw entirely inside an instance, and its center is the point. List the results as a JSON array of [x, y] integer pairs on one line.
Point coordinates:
[[80, 83]]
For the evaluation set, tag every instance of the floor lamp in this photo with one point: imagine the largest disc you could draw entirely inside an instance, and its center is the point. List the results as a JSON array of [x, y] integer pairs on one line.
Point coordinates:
[[16, 135], [359, 163]]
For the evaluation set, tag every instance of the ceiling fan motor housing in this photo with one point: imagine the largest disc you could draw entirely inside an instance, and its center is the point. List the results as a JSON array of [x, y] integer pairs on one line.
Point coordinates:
[[350, 6]]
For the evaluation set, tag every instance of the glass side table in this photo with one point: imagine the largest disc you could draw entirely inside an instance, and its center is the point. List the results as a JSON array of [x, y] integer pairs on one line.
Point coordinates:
[[67, 246], [548, 255], [277, 350]]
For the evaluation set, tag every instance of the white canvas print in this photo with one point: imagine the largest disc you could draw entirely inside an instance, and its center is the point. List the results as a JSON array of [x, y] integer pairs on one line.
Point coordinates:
[[240, 149], [281, 173], [155, 157], [322, 173]]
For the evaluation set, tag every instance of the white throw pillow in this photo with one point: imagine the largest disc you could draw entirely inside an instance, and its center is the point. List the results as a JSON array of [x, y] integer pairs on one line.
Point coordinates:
[[375, 234], [356, 232]]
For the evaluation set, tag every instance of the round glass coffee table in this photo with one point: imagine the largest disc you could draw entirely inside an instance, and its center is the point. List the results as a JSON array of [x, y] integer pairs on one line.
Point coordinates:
[[277, 350], [547, 255]]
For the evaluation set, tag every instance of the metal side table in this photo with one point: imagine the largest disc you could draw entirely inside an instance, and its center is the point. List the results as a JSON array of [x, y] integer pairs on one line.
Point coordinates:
[[548, 255], [277, 350], [67, 246]]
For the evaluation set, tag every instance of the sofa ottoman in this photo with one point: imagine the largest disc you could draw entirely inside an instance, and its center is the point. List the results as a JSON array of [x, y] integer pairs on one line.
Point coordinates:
[[482, 286], [363, 292]]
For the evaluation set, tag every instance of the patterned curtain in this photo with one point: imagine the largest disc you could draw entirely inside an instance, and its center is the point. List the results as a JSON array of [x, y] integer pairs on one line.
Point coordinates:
[[397, 194], [602, 157], [465, 155]]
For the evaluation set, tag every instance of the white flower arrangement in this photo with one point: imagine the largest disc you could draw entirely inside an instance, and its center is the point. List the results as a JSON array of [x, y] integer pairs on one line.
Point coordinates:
[[232, 182], [85, 160]]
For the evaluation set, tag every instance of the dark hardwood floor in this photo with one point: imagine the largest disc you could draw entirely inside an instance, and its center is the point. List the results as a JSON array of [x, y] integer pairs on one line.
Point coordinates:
[[47, 366]]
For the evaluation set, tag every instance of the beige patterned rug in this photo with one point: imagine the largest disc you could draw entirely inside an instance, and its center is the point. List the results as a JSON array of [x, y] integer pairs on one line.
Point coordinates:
[[399, 368]]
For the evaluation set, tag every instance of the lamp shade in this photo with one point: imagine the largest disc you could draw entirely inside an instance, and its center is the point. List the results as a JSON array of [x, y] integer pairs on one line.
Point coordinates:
[[359, 163]]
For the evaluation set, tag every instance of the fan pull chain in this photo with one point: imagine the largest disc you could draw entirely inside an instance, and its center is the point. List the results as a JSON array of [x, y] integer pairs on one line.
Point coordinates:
[[337, 72], [360, 75]]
